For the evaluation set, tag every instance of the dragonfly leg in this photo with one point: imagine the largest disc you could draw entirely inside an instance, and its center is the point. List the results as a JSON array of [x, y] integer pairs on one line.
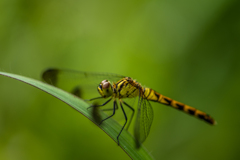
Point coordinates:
[[114, 107], [124, 123], [133, 112], [110, 109], [101, 104], [92, 99]]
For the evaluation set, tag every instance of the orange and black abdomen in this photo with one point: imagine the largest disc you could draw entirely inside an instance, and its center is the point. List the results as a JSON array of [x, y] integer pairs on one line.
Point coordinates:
[[156, 97]]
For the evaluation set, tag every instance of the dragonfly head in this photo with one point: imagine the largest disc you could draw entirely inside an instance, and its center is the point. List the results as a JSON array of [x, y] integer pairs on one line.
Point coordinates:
[[105, 89]]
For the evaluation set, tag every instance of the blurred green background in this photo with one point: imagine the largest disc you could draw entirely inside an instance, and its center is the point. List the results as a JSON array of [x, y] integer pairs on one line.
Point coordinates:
[[187, 50]]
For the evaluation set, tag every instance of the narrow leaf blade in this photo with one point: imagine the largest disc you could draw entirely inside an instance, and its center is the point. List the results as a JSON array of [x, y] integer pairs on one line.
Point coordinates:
[[110, 126]]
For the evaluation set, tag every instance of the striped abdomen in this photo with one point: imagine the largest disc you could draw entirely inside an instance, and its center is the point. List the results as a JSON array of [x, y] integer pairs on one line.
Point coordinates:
[[156, 97]]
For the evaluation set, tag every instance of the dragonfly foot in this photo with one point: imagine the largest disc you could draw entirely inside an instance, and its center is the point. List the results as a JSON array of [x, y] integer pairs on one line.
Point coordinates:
[[100, 123], [93, 105], [89, 107], [118, 142]]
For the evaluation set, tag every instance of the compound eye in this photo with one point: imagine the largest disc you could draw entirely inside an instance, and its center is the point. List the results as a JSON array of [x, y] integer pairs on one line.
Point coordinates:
[[105, 89], [105, 84]]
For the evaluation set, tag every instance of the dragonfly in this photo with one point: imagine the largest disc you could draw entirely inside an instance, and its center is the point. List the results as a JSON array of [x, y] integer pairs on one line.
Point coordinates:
[[114, 87]]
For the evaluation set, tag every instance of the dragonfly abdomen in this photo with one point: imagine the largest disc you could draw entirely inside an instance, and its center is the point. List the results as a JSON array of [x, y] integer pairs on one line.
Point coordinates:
[[157, 97]]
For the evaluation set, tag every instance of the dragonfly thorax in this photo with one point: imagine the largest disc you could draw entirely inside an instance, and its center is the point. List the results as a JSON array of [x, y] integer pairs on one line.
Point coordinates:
[[127, 88], [105, 89]]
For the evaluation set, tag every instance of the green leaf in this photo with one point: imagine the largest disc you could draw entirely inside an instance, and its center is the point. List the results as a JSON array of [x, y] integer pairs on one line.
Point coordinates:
[[110, 126]]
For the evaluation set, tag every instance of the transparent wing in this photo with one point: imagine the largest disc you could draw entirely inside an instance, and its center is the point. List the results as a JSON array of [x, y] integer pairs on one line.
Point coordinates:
[[82, 84], [143, 122]]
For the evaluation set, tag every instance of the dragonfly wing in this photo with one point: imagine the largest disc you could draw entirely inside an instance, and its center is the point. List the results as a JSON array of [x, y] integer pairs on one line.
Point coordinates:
[[143, 121], [82, 84]]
